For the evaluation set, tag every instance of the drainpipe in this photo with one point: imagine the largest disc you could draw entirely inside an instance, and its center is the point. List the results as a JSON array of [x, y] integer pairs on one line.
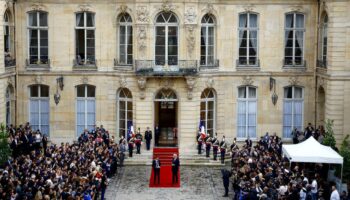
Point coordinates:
[[317, 54]]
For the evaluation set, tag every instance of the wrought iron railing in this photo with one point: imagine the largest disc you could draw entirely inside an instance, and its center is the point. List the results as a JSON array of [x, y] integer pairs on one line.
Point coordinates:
[[151, 68], [241, 63], [287, 63], [123, 65], [89, 63], [10, 62], [322, 63], [38, 63], [209, 65]]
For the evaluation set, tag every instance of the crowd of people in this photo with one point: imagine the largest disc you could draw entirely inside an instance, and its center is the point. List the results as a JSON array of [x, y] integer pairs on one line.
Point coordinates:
[[260, 172], [39, 169]]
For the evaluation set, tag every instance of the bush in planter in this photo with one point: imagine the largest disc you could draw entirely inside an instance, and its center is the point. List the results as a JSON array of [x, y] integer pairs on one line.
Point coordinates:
[[345, 152], [5, 150], [329, 139]]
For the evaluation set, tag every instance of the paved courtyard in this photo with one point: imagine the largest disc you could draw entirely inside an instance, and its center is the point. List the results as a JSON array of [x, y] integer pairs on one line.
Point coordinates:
[[197, 182]]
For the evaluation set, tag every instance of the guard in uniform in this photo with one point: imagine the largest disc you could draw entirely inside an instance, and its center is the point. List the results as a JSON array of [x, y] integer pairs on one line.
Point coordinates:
[[138, 141], [131, 146], [223, 147], [148, 138], [200, 142], [208, 146], [215, 143]]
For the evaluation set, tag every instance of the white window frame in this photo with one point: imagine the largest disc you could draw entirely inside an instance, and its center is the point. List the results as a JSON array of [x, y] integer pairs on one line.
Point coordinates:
[[126, 101], [166, 45], [323, 36], [39, 98], [293, 100], [246, 101], [86, 28], [38, 28], [294, 29], [8, 34], [85, 99], [8, 106], [206, 100], [127, 25], [207, 26], [249, 29]]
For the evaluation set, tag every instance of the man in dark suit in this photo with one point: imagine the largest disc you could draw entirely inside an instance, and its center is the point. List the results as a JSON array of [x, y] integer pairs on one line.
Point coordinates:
[[226, 180], [156, 135], [156, 169], [175, 168], [148, 138]]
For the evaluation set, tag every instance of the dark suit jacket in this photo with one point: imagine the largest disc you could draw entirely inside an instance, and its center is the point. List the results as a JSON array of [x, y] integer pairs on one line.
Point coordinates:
[[148, 135], [175, 164], [154, 165]]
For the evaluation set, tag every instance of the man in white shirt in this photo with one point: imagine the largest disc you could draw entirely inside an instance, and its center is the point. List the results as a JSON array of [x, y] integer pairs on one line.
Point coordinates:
[[314, 188], [335, 193]]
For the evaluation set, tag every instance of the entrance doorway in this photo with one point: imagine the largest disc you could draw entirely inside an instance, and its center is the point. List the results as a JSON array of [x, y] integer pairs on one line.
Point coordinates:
[[165, 117]]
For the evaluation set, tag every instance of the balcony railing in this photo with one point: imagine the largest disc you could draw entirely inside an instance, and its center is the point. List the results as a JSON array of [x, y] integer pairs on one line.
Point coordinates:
[[180, 68], [322, 63], [38, 64], [248, 64], [290, 64], [209, 65], [85, 64], [122, 65], [10, 62]]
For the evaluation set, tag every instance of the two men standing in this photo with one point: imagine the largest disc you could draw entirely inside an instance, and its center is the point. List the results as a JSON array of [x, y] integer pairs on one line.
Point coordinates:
[[175, 164]]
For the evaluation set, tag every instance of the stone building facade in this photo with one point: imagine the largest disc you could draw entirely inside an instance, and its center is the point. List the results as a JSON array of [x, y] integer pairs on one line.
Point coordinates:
[[240, 68]]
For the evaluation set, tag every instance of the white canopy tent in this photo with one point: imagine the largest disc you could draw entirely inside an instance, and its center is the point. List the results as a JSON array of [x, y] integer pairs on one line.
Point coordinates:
[[311, 151]]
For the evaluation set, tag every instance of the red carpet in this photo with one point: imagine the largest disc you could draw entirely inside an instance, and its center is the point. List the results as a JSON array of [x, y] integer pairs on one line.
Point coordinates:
[[165, 156]]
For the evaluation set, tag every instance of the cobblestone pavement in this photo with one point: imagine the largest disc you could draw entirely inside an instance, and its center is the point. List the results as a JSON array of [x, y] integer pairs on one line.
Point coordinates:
[[202, 183]]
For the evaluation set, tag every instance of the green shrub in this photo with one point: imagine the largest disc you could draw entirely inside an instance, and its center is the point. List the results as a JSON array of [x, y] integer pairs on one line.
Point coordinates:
[[329, 139], [345, 152]]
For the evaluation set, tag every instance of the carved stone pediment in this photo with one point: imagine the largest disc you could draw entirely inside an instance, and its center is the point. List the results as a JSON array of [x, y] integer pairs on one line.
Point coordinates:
[[293, 80], [84, 7], [249, 8], [167, 6], [296, 8], [84, 80], [190, 16], [38, 7], [209, 8], [142, 14], [166, 83], [38, 79], [122, 81], [247, 80]]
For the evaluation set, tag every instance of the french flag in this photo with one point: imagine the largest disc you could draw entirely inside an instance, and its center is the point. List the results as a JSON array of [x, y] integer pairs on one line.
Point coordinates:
[[202, 128], [130, 130]]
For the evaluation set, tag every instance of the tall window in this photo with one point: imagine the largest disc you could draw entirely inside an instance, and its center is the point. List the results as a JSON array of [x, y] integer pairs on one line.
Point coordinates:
[[125, 39], [8, 106], [124, 112], [7, 38], [207, 115], [39, 108], [207, 41], [85, 108], [248, 39], [166, 50], [85, 38], [294, 39], [324, 38], [292, 110], [246, 112], [38, 38]]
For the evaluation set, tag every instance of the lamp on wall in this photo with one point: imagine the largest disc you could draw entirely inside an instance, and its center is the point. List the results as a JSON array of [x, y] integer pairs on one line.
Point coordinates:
[[274, 96], [57, 96], [60, 82]]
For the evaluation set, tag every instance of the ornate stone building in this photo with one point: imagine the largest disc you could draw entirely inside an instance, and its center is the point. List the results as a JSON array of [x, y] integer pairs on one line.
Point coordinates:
[[240, 68]]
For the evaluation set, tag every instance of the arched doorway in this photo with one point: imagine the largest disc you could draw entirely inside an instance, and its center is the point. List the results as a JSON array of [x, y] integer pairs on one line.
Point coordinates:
[[165, 118], [321, 100]]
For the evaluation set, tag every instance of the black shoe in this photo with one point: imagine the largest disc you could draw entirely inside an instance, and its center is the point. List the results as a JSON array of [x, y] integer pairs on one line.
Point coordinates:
[[225, 195]]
